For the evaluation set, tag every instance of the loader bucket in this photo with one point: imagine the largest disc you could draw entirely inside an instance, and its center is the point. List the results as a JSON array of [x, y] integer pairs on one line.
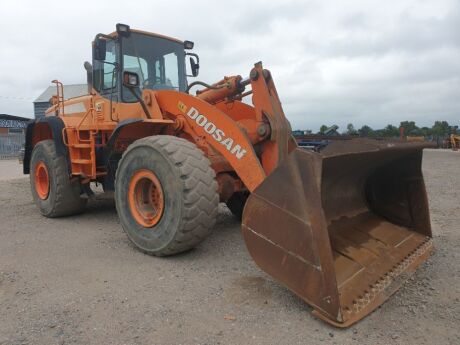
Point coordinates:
[[343, 228]]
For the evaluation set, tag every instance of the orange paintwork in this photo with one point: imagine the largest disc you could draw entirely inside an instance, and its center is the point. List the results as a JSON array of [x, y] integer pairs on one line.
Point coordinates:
[[42, 182], [217, 121]]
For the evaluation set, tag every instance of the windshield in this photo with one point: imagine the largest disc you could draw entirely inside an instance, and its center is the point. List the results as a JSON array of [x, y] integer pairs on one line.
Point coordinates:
[[159, 62]]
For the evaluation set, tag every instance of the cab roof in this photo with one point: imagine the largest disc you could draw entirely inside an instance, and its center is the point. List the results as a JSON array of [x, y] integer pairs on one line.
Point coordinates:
[[153, 34]]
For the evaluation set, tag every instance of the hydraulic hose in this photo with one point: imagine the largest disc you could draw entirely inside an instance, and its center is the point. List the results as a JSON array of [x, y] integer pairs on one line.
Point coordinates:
[[202, 84]]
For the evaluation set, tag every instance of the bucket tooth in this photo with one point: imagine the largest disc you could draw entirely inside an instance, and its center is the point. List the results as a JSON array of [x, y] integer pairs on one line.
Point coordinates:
[[342, 228]]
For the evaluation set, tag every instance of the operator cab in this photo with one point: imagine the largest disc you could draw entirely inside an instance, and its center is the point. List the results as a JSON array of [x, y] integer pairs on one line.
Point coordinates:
[[157, 61]]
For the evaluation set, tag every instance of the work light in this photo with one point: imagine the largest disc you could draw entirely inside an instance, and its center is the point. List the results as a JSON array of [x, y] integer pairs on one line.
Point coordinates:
[[188, 45], [122, 29]]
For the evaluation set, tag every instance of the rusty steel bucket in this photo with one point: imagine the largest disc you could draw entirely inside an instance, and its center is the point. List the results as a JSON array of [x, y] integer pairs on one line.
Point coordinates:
[[342, 228]]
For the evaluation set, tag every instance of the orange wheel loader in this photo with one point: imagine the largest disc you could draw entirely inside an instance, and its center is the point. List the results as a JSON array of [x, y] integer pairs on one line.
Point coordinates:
[[342, 228]]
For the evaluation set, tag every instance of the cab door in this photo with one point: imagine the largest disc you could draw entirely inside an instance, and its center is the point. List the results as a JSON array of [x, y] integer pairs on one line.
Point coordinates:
[[106, 83]]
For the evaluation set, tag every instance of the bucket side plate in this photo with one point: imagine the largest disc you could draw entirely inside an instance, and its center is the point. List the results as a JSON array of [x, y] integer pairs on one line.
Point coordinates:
[[342, 229]]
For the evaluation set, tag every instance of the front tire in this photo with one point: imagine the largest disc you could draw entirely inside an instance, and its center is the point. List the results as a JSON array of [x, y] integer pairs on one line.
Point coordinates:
[[166, 195], [52, 189]]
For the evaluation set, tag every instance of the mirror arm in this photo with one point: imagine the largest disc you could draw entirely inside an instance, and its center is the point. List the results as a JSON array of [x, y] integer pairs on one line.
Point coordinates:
[[144, 107], [115, 64], [108, 37]]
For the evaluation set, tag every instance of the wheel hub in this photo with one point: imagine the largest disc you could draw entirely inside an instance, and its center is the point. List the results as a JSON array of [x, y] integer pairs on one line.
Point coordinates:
[[145, 197], [42, 182]]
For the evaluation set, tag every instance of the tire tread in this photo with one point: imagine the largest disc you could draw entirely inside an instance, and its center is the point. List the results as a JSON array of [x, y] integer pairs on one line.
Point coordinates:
[[200, 206], [67, 202]]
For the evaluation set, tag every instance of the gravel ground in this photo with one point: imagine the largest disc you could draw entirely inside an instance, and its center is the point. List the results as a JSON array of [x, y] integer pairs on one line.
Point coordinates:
[[10, 169], [78, 280]]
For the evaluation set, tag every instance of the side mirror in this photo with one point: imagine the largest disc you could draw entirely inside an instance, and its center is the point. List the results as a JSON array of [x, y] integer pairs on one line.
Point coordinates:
[[130, 79], [194, 64], [99, 50]]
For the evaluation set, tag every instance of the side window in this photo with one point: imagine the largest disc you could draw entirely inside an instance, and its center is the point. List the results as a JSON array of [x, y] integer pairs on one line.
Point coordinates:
[[110, 77], [157, 70], [104, 73], [136, 65], [171, 70], [166, 71]]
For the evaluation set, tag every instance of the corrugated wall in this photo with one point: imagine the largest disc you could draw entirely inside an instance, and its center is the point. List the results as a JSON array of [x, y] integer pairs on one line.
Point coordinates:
[[39, 109]]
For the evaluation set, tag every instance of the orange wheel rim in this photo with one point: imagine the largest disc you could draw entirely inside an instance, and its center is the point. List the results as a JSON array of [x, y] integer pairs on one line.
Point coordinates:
[[42, 181], [145, 197]]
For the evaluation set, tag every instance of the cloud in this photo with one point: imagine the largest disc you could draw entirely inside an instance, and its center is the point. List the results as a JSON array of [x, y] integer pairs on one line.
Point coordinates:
[[369, 62]]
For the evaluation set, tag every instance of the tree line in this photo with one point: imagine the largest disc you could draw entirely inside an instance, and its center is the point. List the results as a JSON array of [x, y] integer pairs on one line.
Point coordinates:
[[440, 129]]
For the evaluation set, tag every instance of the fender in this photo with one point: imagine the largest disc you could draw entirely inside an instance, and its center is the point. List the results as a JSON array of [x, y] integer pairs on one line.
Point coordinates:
[[56, 125], [111, 155], [148, 125], [108, 149], [111, 159]]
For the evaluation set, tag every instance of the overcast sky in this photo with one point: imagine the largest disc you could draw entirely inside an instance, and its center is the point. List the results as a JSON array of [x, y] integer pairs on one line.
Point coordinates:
[[333, 62]]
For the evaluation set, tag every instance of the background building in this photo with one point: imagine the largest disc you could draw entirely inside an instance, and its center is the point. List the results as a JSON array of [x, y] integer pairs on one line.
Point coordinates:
[[43, 101], [12, 129], [10, 124]]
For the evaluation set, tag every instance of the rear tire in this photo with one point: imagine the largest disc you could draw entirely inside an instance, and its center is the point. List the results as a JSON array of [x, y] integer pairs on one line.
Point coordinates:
[[184, 205], [53, 191]]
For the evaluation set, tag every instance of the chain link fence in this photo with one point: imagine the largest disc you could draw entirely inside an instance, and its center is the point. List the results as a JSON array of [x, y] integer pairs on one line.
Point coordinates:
[[11, 145]]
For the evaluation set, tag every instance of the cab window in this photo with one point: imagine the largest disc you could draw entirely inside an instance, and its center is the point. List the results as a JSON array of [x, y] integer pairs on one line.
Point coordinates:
[[104, 72], [158, 62]]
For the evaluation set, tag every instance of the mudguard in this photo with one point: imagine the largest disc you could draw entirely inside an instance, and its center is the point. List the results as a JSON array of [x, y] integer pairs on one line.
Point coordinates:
[[56, 126]]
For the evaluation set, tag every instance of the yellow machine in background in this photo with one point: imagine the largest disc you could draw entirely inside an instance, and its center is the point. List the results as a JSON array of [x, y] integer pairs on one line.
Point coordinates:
[[455, 142]]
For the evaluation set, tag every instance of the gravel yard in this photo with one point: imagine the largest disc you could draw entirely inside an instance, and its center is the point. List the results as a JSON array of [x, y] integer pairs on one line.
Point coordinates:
[[78, 280]]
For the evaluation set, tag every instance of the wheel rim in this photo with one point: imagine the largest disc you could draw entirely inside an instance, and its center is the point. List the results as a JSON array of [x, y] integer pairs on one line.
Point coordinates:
[[42, 181], [145, 197]]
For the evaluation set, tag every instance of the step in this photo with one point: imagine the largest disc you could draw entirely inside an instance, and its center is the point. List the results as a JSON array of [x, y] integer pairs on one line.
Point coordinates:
[[81, 146], [81, 161]]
